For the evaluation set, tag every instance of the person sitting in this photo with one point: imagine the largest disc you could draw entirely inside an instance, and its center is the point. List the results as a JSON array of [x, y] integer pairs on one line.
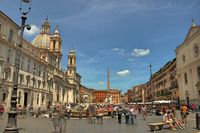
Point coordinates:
[[167, 119]]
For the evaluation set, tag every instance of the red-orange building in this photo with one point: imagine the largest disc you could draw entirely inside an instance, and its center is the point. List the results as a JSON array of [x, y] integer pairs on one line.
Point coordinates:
[[101, 95]]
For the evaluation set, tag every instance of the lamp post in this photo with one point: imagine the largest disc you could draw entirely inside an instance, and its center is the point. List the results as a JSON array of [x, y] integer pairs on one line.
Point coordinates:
[[48, 85], [34, 70], [11, 126], [150, 69]]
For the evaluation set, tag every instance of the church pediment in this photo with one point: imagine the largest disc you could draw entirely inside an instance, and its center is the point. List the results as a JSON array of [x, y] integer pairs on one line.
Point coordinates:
[[191, 32]]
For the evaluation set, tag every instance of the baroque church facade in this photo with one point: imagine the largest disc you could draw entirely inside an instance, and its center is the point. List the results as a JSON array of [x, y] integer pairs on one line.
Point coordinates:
[[42, 82], [188, 66]]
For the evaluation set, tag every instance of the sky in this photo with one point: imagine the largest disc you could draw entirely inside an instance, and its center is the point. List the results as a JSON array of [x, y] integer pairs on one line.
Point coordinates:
[[126, 35]]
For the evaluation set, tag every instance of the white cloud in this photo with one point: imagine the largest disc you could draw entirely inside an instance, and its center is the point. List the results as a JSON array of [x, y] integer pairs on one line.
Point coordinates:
[[119, 51], [101, 83], [123, 73], [140, 52], [34, 30]]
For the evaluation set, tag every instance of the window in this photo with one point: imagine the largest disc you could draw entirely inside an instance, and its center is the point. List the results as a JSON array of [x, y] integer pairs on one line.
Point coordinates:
[[39, 83], [10, 37], [4, 97], [22, 62], [44, 72], [198, 72], [34, 68], [1, 69], [70, 61], [39, 70], [63, 95], [57, 95], [57, 98], [28, 66], [185, 77], [183, 58], [44, 84], [27, 79], [70, 72], [8, 56], [196, 50], [19, 97], [54, 44], [21, 78], [38, 98], [43, 97]]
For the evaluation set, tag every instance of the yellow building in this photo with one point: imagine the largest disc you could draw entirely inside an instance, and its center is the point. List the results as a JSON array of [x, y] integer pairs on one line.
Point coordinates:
[[164, 85]]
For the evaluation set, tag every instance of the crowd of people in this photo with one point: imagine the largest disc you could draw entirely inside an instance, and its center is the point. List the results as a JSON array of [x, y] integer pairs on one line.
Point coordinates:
[[96, 112]]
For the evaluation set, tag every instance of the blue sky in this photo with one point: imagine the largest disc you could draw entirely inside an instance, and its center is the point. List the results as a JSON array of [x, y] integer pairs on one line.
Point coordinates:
[[126, 35]]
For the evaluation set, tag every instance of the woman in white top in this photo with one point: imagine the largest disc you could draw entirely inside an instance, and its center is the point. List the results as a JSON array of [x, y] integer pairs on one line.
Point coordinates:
[[167, 119]]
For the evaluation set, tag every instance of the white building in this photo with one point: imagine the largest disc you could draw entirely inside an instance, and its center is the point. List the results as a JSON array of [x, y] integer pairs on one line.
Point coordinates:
[[188, 66], [42, 81]]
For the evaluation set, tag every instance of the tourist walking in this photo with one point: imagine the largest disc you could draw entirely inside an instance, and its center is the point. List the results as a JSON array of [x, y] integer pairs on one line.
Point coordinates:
[[127, 112], [119, 114], [100, 114], [132, 113], [57, 119], [175, 120], [144, 112], [184, 113]]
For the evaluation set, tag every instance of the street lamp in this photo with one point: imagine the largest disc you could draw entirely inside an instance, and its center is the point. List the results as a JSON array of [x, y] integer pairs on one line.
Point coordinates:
[[11, 126], [150, 69], [49, 85], [34, 70]]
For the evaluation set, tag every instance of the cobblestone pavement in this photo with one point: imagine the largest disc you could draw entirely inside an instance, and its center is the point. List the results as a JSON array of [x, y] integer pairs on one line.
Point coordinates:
[[44, 125]]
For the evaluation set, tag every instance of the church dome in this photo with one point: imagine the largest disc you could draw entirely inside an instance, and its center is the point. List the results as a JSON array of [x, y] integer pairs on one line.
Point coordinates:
[[43, 39]]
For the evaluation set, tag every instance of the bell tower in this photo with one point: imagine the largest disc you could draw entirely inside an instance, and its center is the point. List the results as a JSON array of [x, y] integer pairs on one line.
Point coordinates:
[[56, 46], [71, 67], [46, 27]]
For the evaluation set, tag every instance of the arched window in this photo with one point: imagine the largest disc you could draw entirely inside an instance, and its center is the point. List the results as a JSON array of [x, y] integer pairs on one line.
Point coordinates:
[[70, 60], [54, 44]]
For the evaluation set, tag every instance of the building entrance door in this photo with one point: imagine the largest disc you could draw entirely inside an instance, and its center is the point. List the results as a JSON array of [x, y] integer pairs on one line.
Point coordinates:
[[25, 99]]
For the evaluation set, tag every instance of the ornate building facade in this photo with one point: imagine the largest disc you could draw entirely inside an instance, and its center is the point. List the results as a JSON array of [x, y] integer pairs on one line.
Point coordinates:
[[188, 66], [42, 82]]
